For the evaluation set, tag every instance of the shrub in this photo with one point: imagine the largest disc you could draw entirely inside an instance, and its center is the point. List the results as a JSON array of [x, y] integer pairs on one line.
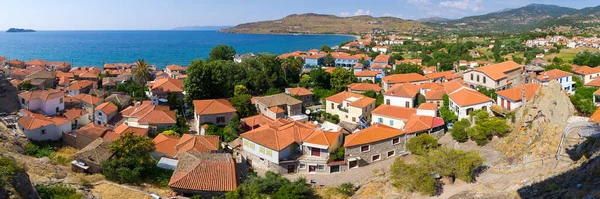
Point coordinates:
[[57, 191], [421, 144], [412, 178], [459, 130]]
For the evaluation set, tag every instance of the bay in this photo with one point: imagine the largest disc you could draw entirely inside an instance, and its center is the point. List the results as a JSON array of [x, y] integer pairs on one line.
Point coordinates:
[[161, 48]]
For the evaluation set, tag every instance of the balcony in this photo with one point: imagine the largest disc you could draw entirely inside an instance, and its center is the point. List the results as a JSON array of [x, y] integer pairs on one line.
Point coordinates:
[[342, 108]]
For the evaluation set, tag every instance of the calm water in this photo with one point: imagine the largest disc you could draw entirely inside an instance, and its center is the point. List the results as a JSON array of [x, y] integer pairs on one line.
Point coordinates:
[[93, 48]]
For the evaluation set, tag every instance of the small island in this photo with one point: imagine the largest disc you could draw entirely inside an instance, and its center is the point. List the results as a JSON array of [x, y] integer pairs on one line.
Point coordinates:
[[19, 30]]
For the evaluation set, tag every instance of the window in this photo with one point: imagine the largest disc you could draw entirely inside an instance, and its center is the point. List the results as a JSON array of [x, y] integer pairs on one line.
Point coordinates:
[[365, 148], [22, 101], [380, 120], [471, 76], [98, 122], [391, 153], [315, 151], [43, 131], [484, 80], [320, 167], [269, 152], [220, 119], [407, 104], [477, 78], [353, 119], [387, 101], [302, 166], [391, 122], [395, 141], [261, 149], [375, 158], [332, 107], [56, 109], [245, 142], [61, 100], [252, 145]]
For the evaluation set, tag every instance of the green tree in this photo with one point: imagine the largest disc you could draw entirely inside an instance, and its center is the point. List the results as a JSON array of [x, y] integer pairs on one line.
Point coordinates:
[[131, 158], [379, 100], [320, 78], [459, 130], [221, 52], [338, 154], [242, 101], [370, 93], [486, 127], [421, 144], [171, 133], [328, 60], [340, 78], [205, 77], [445, 111], [305, 81], [408, 68], [272, 185], [141, 74], [326, 48], [26, 86], [412, 178], [420, 99], [453, 163]]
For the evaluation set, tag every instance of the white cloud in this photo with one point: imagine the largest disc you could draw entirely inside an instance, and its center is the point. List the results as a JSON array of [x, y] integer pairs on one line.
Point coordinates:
[[357, 13], [472, 5], [362, 12]]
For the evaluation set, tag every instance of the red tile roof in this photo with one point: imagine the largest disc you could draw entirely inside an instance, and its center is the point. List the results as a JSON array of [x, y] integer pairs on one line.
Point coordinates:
[[213, 106], [404, 78], [300, 91], [124, 128], [151, 114], [88, 98], [374, 133], [361, 101], [552, 75], [205, 172], [255, 120], [197, 143], [594, 83], [279, 136], [397, 112], [403, 90], [419, 123], [586, 70], [323, 138], [367, 73], [596, 116], [167, 84], [467, 97], [428, 106], [515, 94], [382, 58], [41, 94], [498, 71], [165, 144], [74, 113], [364, 87]]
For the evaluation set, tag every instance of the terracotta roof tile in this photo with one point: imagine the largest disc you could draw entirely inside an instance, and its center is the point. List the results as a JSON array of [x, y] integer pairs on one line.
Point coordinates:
[[374, 133], [324, 138], [74, 113], [255, 120], [34, 121], [41, 94], [552, 75], [594, 83], [596, 116], [197, 143], [394, 111], [466, 97], [93, 130], [165, 144], [168, 84], [205, 172], [403, 90], [404, 78], [278, 136], [124, 128], [435, 95], [364, 87], [420, 123], [498, 71], [382, 58], [300, 91], [515, 94], [367, 73], [213, 106], [428, 106], [88, 98]]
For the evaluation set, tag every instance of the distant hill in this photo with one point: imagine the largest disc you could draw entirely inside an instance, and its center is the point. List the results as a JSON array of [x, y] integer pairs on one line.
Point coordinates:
[[434, 19], [518, 19], [328, 24], [19, 30], [201, 28]]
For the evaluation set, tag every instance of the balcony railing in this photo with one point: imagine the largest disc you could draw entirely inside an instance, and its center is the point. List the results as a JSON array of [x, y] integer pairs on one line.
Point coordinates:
[[342, 108]]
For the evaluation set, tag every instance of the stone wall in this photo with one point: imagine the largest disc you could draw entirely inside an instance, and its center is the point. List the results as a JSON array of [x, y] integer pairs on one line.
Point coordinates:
[[377, 148]]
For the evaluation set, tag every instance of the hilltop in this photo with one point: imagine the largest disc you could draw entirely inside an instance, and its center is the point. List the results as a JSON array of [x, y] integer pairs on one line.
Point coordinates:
[[328, 24], [524, 18]]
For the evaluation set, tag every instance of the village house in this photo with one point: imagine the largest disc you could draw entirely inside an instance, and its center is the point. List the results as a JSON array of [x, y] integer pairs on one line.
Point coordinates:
[[393, 116], [513, 98], [173, 146], [363, 87], [412, 78], [404, 95], [442, 76], [586, 73], [410, 120], [50, 102], [124, 128], [255, 121], [175, 70], [313, 60], [564, 78], [88, 101], [78, 117], [466, 100], [380, 49], [304, 94], [375, 143], [90, 158], [104, 113], [346, 60], [85, 135], [162, 87], [350, 107], [147, 115], [123, 100], [213, 111], [417, 62], [316, 150], [40, 128], [496, 77], [208, 175], [280, 106], [372, 76], [80, 87], [41, 78], [382, 59]]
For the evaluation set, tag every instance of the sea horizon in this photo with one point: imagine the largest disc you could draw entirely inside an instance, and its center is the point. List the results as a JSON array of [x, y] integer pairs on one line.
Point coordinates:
[[158, 47]]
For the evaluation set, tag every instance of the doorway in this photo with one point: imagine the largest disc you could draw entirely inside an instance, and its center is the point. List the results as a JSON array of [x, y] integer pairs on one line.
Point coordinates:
[[291, 168], [312, 168]]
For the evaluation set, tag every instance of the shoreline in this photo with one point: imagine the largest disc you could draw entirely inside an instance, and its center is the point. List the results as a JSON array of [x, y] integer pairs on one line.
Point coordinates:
[[357, 37]]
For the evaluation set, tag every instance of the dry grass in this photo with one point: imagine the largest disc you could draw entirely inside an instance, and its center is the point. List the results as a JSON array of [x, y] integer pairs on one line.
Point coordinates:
[[106, 190], [64, 155], [329, 193], [568, 54]]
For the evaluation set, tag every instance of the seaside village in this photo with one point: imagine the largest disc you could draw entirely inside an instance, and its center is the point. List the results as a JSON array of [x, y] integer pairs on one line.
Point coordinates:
[[88, 108]]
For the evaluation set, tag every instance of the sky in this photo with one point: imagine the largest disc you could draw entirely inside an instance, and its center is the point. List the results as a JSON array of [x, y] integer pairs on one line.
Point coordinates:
[[168, 14]]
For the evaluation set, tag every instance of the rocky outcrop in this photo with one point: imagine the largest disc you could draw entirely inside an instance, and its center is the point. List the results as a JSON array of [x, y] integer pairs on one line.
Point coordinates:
[[8, 97], [538, 126], [22, 185]]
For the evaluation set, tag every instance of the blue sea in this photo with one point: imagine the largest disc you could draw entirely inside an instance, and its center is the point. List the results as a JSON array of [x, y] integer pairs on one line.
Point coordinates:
[[161, 48]]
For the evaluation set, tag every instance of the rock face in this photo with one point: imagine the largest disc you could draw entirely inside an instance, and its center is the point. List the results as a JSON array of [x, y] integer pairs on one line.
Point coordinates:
[[538, 126], [23, 187], [8, 97]]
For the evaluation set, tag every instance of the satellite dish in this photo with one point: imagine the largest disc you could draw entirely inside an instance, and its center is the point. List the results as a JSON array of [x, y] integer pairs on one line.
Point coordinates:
[[307, 111]]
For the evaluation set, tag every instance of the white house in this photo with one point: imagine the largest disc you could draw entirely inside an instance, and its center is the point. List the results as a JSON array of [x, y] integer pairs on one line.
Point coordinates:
[[586, 73], [393, 116], [511, 99], [465, 100], [48, 101], [104, 112], [381, 49], [213, 111], [350, 107], [39, 128], [564, 78], [404, 95]]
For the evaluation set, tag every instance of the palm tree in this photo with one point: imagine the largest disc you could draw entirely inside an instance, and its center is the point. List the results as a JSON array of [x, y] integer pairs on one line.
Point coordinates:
[[141, 74]]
